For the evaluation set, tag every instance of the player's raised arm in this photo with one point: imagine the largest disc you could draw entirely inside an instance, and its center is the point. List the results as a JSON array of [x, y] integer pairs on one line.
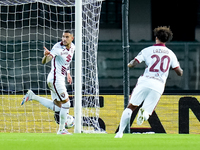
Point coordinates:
[[46, 57]]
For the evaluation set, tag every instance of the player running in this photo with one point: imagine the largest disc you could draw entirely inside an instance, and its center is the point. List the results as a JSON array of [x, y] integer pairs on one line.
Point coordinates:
[[151, 84], [60, 56]]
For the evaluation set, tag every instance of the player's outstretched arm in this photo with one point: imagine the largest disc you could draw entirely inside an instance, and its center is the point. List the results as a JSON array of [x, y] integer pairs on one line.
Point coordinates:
[[46, 57]]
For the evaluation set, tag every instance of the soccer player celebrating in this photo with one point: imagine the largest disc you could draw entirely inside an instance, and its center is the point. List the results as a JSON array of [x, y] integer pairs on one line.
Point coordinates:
[[151, 84], [60, 56]]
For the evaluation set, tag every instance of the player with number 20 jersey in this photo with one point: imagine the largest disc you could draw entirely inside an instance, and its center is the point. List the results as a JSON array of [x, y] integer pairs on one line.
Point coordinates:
[[158, 59], [150, 86]]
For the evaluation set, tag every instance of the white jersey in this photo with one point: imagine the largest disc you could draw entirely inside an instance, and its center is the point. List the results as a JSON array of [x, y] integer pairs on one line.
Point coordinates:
[[60, 63], [158, 59]]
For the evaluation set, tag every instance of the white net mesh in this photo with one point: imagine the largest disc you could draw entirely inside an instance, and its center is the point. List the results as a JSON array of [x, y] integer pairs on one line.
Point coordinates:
[[25, 27]]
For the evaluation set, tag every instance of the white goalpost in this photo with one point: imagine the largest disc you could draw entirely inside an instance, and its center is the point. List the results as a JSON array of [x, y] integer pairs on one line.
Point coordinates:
[[27, 26], [78, 66]]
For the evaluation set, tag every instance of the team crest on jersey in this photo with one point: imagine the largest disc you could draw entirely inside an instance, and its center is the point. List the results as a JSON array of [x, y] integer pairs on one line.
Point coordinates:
[[72, 50], [62, 95]]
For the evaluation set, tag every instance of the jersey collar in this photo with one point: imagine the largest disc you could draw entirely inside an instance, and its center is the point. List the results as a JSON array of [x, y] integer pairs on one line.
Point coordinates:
[[158, 44], [61, 43]]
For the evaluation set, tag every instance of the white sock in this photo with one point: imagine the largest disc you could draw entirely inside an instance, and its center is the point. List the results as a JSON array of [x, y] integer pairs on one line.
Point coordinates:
[[126, 115], [46, 102], [63, 114]]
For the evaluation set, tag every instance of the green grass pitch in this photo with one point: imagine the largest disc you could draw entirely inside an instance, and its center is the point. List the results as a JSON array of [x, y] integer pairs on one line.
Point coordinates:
[[52, 141]]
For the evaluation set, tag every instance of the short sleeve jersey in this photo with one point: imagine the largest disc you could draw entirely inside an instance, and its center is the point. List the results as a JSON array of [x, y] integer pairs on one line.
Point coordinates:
[[158, 59], [62, 58]]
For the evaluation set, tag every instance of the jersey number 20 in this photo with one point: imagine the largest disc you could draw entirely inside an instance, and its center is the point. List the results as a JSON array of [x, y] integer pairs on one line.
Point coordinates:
[[161, 60]]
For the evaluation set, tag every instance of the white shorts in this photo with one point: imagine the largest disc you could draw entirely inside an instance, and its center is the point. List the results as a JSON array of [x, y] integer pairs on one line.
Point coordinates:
[[149, 96], [58, 90]]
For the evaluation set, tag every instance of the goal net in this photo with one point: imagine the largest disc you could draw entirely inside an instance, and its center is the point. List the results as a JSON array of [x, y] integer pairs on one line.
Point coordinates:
[[25, 27]]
